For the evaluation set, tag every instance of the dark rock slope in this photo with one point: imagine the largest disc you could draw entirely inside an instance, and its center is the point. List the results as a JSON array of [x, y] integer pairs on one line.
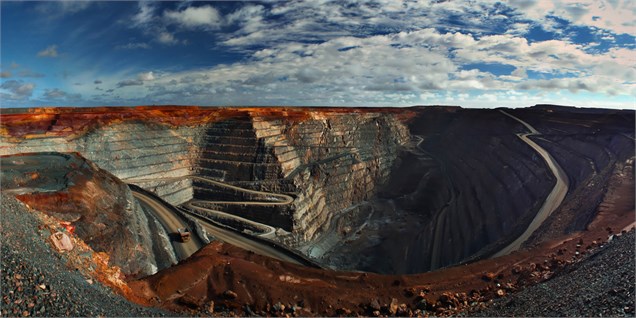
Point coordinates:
[[388, 190], [466, 182], [588, 144]]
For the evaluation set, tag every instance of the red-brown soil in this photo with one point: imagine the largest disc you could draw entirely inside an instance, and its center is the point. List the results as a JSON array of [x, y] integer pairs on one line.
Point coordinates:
[[230, 278], [70, 122], [92, 200]]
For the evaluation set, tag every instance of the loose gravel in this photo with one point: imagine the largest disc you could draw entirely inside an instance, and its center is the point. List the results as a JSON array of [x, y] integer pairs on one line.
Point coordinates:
[[35, 280], [601, 285]]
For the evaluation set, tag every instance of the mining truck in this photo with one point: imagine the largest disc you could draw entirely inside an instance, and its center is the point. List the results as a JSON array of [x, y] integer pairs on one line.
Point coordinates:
[[184, 233]]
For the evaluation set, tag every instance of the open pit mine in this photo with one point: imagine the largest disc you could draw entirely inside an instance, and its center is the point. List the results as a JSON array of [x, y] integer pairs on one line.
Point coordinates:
[[275, 211]]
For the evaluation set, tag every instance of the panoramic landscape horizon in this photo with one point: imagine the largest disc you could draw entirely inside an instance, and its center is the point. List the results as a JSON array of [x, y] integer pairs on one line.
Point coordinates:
[[329, 158]]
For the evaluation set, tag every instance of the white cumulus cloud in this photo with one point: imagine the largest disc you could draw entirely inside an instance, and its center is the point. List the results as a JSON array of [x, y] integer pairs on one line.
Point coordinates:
[[147, 76], [193, 17]]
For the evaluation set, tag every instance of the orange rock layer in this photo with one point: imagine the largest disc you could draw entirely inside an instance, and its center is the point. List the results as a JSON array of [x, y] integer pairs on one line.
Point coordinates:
[[71, 122]]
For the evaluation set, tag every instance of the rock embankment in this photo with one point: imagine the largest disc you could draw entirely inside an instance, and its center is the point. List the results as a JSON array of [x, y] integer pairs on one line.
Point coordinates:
[[98, 205], [600, 286], [588, 144], [454, 184], [465, 182], [37, 281]]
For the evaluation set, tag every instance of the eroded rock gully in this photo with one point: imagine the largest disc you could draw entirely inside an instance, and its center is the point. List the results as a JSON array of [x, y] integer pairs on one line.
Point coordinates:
[[384, 190]]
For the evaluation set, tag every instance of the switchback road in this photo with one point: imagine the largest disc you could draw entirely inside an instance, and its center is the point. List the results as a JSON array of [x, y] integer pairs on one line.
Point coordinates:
[[243, 241], [275, 199], [171, 221]]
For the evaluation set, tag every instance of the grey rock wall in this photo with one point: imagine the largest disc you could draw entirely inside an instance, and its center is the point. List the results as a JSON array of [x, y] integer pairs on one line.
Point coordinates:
[[327, 162]]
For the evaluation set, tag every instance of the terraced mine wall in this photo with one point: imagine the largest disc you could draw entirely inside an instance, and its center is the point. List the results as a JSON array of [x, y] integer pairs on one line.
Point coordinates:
[[129, 150], [327, 160], [466, 185], [383, 190], [496, 184]]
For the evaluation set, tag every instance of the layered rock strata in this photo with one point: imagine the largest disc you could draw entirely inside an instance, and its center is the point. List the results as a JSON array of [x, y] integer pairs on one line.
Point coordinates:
[[589, 144], [467, 185], [327, 159], [466, 182], [385, 190]]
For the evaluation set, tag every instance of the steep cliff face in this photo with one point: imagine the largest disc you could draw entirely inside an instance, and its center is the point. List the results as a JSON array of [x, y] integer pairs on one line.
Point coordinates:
[[136, 150], [332, 162], [467, 185], [384, 190], [466, 181], [327, 159], [144, 153], [589, 144]]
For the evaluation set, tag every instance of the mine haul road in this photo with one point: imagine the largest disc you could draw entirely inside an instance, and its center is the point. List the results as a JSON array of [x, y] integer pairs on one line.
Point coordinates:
[[168, 219], [554, 199], [170, 223], [243, 242], [268, 231]]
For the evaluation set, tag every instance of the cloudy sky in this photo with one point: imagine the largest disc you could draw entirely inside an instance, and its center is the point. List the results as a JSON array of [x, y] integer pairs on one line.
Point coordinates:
[[385, 52]]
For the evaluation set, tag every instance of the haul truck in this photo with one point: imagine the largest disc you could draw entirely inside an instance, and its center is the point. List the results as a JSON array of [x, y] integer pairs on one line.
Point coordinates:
[[184, 233]]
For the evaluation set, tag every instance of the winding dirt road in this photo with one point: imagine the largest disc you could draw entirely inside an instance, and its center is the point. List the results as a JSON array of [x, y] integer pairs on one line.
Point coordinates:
[[170, 222], [262, 247], [258, 247], [553, 200], [277, 199], [268, 231]]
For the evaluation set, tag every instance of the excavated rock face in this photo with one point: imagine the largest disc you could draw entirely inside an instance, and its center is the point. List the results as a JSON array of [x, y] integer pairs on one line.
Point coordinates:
[[407, 190], [468, 185], [96, 203], [372, 189], [465, 182], [335, 163], [588, 144], [327, 159]]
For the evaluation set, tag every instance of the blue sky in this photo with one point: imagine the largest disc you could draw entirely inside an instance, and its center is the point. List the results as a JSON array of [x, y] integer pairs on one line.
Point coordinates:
[[335, 53]]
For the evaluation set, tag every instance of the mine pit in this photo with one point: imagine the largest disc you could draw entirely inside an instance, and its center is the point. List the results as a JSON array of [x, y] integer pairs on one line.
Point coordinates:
[[374, 191]]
